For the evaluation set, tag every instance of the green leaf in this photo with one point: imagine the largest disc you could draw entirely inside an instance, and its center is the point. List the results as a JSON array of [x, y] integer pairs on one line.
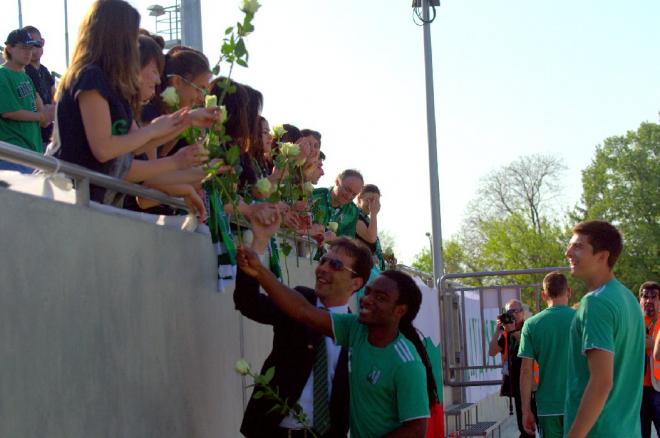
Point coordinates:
[[270, 373], [257, 395], [229, 30], [242, 63], [216, 70], [233, 155], [240, 48]]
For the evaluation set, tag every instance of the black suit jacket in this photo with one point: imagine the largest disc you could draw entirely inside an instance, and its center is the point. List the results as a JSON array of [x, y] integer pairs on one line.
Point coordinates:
[[293, 353]]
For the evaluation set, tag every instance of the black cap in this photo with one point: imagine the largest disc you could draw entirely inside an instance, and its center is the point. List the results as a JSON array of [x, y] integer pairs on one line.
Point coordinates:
[[21, 36]]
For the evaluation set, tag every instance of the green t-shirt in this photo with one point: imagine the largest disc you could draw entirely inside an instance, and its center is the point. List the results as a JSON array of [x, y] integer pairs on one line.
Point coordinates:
[[17, 93], [544, 339], [387, 385], [323, 212], [608, 319]]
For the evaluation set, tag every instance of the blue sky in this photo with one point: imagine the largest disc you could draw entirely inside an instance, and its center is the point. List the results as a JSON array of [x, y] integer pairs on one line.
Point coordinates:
[[511, 78]]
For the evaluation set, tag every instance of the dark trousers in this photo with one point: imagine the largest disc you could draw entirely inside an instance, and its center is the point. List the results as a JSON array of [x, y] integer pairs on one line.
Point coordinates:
[[650, 412], [518, 405]]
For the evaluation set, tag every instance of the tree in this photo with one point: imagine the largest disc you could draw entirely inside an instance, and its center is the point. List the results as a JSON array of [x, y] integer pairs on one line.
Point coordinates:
[[622, 186], [524, 187]]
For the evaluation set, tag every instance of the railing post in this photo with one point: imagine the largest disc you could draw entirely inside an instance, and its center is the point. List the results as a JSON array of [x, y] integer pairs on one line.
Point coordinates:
[[82, 192]]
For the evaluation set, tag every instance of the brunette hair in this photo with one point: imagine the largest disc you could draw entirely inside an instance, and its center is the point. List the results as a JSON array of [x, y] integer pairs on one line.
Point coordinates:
[[254, 105], [362, 260], [602, 236], [651, 285], [555, 284], [108, 39], [157, 38], [310, 132], [236, 103], [411, 296], [150, 51], [369, 188]]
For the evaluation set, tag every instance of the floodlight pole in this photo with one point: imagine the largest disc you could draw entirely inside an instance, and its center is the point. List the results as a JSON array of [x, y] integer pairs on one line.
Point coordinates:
[[20, 15], [66, 32], [438, 265]]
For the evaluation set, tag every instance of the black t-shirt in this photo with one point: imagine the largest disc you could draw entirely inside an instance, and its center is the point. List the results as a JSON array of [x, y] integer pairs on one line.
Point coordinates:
[[514, 362], [69, 138], [43, 82]]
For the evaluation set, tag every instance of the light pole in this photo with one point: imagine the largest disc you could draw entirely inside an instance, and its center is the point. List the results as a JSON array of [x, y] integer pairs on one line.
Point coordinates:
[[66, 32], [436, 247], [20, 15]]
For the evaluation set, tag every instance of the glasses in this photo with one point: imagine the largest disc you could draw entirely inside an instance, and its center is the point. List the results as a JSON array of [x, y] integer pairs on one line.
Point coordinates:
[[204, 91], [335, 264]]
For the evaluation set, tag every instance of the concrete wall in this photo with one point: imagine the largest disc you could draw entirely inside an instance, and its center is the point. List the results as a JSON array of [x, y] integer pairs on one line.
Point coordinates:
[[111, 327]]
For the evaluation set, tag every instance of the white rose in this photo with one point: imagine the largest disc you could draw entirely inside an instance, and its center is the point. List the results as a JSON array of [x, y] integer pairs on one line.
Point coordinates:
[[332, 226], [308, 188], [250, 6], [263, 186], [211, 101], [289, 149], [278, 131], [170, 97], [223, 113], [242, 367]]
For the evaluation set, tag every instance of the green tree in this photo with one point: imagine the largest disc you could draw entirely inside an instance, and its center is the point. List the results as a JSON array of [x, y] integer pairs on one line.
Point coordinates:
[[622, 186]]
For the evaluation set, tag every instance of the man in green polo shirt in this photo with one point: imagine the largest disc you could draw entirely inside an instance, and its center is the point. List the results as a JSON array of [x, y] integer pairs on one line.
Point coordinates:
[[544, 340], [21, 109], [606, 350]]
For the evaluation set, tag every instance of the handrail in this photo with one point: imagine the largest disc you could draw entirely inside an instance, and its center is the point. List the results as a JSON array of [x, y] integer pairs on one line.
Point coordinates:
[[501, 273], [83, 176]]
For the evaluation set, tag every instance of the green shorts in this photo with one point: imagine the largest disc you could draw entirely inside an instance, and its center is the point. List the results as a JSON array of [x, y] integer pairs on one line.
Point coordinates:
[[551, 426]]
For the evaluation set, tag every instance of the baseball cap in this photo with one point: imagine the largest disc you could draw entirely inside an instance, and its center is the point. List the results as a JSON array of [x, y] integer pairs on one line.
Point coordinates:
[[21, 36]]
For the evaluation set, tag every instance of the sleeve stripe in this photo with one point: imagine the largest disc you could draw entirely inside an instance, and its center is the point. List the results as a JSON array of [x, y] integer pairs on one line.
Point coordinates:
[[403, 352]]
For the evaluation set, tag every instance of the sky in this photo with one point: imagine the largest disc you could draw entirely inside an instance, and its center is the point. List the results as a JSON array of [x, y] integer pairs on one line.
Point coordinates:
[[511, 78]]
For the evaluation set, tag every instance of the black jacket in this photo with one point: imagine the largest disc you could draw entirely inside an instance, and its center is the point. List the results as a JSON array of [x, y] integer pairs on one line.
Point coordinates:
[[293, 353]]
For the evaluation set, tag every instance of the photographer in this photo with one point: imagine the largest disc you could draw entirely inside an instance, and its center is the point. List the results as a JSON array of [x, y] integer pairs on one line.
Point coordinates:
[[506, 340]]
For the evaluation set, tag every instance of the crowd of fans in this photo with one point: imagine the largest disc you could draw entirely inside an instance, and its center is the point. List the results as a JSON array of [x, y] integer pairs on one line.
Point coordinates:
[[108, 113]]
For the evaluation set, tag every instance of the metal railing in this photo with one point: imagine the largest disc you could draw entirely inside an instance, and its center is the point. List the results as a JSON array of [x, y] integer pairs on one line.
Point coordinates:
[[83, 177], [453, 324]]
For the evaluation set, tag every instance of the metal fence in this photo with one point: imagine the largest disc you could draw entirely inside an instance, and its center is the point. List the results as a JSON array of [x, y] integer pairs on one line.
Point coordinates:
[[465, 347]]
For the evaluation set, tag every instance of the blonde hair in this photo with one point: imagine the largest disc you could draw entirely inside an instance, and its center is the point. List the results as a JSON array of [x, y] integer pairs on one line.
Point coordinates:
[[108, 38]]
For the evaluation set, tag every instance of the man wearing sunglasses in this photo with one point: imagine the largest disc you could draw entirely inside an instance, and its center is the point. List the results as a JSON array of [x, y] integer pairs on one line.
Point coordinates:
[[649, 301], [310, 369]]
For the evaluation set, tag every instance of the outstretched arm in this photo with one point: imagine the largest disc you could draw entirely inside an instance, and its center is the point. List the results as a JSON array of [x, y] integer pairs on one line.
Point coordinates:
[[288, 300]]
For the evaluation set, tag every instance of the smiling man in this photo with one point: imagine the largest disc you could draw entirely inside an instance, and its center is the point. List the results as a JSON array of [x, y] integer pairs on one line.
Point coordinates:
[[606, 345], [390, 377], [310, 369], [649, 301]]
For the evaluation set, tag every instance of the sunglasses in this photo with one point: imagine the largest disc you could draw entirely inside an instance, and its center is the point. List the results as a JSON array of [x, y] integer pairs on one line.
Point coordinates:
[[335, 264], [204, 91]]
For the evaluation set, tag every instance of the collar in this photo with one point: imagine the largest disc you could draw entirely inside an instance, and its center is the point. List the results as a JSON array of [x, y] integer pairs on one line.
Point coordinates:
[[336, 309]]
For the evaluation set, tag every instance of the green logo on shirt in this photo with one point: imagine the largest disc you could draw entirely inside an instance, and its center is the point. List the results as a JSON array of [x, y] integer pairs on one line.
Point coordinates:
[[373, 376], [120, 127]]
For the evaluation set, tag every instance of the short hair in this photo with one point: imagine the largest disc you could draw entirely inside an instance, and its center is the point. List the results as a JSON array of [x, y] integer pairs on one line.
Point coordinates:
[[349, 173], [651, 285], [363, 261], [512, 302], [370, 188], [555, 284], [310, 132], [602, 236], [291, 135]]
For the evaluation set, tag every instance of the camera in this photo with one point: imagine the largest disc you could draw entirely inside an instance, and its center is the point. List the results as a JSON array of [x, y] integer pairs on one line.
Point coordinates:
[[506, 318]]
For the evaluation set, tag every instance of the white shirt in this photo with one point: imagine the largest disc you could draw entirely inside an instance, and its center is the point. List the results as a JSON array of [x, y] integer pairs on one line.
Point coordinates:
[[306, 400]]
